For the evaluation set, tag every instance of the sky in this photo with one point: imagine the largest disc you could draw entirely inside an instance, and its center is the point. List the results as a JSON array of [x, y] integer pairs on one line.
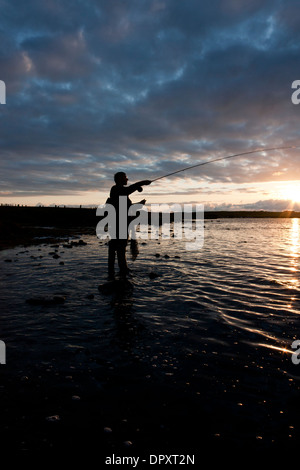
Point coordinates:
[[149, 87]]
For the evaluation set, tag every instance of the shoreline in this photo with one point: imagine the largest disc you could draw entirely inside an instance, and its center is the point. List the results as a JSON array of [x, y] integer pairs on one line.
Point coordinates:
[[27, 225]]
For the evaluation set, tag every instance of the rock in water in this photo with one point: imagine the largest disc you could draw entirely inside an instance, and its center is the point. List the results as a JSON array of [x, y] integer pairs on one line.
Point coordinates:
[[55, 300], [53, 419], [153, 275], [115, 287], [107, 430]]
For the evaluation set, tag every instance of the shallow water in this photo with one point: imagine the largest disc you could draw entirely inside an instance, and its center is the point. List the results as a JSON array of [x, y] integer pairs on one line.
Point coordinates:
[[218, 322]]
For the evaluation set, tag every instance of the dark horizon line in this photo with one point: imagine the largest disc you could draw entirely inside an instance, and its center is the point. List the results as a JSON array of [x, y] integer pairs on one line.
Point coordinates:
[[94, 207], [241, 212]]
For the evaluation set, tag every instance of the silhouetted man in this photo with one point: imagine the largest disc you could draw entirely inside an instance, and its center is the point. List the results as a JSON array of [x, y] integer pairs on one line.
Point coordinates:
[[118, 245]]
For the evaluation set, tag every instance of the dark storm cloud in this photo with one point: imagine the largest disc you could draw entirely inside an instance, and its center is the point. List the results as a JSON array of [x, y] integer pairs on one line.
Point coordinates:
[[148, 87]]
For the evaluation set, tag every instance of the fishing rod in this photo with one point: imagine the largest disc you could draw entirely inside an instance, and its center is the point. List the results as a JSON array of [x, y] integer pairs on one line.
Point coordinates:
[[224, 158]]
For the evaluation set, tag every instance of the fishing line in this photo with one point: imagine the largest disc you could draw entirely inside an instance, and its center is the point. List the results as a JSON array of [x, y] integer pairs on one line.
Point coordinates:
[[224, 158]]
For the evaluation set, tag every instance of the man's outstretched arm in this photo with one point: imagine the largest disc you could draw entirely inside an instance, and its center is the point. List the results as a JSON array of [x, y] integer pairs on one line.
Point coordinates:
[[137, 186]]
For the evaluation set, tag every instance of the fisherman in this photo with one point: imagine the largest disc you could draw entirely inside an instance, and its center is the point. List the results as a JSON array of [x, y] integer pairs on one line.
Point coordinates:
[[118, 245]]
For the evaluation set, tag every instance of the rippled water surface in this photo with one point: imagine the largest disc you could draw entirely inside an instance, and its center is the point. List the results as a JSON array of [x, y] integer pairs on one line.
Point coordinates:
[[220, 320]]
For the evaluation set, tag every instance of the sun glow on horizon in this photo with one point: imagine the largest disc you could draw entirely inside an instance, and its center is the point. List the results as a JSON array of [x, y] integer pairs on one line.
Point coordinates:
[[291, 192]]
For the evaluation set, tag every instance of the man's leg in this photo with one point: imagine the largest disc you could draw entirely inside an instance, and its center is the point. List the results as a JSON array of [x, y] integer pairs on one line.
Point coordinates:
[[111, 258], [121, 253]]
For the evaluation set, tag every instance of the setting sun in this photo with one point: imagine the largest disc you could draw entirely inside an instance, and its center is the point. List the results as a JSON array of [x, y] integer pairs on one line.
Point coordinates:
[[291, 192]]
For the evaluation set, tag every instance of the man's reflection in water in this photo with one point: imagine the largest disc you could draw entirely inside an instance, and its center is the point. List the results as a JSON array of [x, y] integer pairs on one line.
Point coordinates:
[[128, 326]]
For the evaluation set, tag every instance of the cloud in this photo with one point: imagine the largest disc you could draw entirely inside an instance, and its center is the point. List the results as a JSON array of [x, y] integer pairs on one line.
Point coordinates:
[[272, 205], [147, 87]]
